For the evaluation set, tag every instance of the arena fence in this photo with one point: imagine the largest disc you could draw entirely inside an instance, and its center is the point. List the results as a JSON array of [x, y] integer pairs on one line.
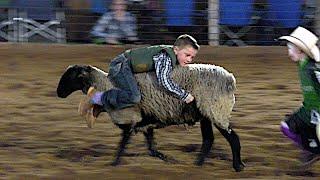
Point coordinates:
[[213, 22]]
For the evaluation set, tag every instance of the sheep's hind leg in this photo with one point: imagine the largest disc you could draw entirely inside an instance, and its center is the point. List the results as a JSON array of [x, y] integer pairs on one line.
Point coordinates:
[[126, 134], [207, 140], [151, 145], [234, 142]]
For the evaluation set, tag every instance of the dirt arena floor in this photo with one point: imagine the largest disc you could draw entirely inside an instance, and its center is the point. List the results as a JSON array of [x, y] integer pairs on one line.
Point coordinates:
[[43, 137]]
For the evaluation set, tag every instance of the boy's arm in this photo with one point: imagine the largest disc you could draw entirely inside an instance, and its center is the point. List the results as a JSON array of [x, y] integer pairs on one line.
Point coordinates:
[[163, 66], [317, 72]]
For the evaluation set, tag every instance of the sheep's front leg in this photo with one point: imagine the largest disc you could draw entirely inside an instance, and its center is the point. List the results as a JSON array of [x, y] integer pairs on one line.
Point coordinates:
[[126, 134], [234, 142], [207, 140], [151, 145]]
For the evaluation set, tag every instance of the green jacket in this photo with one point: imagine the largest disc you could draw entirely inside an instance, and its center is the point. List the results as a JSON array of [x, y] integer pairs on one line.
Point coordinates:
[[310, 87], [141, 59]]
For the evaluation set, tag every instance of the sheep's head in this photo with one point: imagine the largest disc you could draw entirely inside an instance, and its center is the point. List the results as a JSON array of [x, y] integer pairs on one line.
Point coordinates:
[[75, 78]]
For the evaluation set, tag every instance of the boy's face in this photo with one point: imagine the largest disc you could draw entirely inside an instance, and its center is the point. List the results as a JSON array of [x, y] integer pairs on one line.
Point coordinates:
[[294, 52], [185, 54]]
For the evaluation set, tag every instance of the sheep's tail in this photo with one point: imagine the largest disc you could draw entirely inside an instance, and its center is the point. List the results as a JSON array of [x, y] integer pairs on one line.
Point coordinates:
[[222, 80], [231, 84]]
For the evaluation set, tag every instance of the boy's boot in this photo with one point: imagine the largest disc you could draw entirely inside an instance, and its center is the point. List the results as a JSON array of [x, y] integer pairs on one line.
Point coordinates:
[[87, 109], [308, 158]]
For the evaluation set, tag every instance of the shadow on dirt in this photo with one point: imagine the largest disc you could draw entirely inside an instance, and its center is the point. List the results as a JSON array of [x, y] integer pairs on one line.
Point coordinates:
[[75, 154]]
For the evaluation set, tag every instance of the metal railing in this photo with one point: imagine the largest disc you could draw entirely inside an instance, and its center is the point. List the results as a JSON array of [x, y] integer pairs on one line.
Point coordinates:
[[76, 20]]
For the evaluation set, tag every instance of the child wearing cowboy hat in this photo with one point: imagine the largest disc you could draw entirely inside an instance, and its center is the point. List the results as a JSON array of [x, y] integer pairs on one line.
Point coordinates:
[[302, 126]]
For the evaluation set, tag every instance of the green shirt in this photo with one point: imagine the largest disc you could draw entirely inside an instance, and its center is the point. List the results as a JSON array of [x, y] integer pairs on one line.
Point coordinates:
[[141, 59], [310, 88]]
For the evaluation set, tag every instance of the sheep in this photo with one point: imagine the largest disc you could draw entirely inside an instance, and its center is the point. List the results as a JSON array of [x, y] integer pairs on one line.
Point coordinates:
[[212, 86]]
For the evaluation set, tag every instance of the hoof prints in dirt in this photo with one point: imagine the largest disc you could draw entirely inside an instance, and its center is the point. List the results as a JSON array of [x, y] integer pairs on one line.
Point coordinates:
[[195, 148], [3, 144], [75, 154], [16, 86], [190, 148], [302, 173]]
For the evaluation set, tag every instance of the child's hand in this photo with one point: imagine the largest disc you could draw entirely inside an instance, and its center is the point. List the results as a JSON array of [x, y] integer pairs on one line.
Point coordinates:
[[189, 99], [317, 73]]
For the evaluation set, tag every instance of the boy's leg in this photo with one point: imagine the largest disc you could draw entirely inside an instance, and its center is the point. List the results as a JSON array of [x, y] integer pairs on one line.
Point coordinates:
[[127, 92], [290, 128], [88, 109], [287, 132], [310, 140], [304, 136], [311, 153], [300, 133], [307, 138]]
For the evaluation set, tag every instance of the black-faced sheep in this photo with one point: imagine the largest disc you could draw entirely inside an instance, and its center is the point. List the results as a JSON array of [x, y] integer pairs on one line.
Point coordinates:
[[212, 86]]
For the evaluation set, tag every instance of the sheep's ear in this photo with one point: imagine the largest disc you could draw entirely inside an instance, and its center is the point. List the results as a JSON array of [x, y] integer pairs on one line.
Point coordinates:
[[83, 74], [69, 67]]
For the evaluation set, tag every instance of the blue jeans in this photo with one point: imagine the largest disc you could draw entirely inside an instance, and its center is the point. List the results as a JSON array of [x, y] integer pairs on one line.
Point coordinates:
[[126, 93]]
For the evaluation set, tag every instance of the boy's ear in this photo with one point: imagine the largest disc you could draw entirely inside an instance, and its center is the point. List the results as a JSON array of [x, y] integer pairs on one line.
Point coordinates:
[[301, 51], [175, 49]]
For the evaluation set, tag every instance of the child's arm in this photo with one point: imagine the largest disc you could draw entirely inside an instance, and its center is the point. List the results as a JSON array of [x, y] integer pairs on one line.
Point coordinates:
[[163, 66], [317, 72]]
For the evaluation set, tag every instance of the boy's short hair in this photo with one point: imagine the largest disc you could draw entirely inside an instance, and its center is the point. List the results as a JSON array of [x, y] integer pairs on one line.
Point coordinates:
[[184, 40]]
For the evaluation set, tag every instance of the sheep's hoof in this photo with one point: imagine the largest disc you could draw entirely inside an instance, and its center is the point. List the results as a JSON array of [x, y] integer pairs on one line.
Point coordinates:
[[158, 155], [200, 160], [155, 153], [115, 162], [239, 167]]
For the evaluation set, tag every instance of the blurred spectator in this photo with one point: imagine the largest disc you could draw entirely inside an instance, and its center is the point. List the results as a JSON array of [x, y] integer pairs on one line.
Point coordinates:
[[115, 26]]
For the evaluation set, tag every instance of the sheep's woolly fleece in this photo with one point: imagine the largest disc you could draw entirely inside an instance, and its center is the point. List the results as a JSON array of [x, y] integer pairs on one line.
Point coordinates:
[[212, 86]]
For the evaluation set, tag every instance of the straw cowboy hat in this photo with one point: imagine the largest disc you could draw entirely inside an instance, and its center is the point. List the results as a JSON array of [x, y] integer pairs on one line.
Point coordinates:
[[306, 41]]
